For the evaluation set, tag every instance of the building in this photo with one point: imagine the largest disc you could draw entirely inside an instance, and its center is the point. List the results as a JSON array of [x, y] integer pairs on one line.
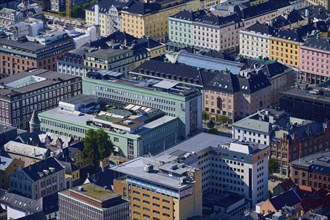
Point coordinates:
[[35, 89], [174, 99], [285, 47], [41, 52], [57, 5], [40, 179], [324, 3], [289, 138], [254, 41], [106, 14], [314, 56], [226, 7], [9, 17], [312, 170], [159, 189], [307, 103], [134, 130], [150, 18], [72, 62], [224, 93], [7, 133], [92, 202], [7, 167], [289, 20], [28, 154], [228, 166]]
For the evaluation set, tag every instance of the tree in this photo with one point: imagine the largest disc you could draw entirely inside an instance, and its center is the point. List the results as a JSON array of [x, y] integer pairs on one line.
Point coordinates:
[[93, 2], [222, 119], [62, 13], [213, 131], [204, 115], [210, 124], [97, 145], [272, 165], [86, 5], [77, 11]]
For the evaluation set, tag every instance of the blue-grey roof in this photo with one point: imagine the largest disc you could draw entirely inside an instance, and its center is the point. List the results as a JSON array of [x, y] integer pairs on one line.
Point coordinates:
[[315, 163], [5, 162], [36, 171], [207, 62], [289, 198]]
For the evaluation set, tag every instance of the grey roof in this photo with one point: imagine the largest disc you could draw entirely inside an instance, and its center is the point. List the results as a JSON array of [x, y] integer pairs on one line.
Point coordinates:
[[105, 5], [197, 143], [188, 15], [143, 8], [207, 62], [210, 19], [107, 53], [315, 163], [135, 168], [43, 168], [289, 198], [81, 99], [5, 162], [261, 28], [20, 203], [52, 78], [318, 43], [253, 124], [13, 147]]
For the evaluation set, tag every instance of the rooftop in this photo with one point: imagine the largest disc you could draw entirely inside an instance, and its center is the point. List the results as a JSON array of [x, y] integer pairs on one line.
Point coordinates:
[[316, 163], [95, 192], [18, 202], [261, 28], [13, 147], [107, 53], [312, 95], [31, 80], [5, 162], [318, 43]]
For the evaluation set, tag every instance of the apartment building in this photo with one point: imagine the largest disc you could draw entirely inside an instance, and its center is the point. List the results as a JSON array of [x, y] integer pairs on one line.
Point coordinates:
[[7, 167], [289, 138], [255, 41], [312, 170], [159, 189], [224, 93], [39, 180], [134, 130], [150, 18], [324, 3], [92, 202], [9, 17], [72, 62], [42, 52], [35, 89], [106, 14], [174, 99], [314, 60], [285, 47], [227, 165]]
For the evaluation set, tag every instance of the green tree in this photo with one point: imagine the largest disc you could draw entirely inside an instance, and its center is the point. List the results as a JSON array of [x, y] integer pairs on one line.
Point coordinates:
[[210, 124], [62, 13], [213, 131], [86, 5], [93, 2], [222, 119], [77, 12], [97, 145], [272, 165], [205, 115]]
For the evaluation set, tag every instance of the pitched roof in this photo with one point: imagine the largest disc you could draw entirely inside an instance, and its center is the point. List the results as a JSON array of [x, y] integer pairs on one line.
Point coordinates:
[[5, 162], [19, 202], [13, 147], [117, 37], [105, 5], [34, 118], [261, 28], [43, 168], [287, 19], [253, 83], [318, 43], [223, 81], [211, 19], [289, 198], [188, 15], [287, 185], [142, 8], [69, 167]]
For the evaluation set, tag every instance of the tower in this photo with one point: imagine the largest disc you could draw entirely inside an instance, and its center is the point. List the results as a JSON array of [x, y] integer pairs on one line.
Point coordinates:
[[34, 123]]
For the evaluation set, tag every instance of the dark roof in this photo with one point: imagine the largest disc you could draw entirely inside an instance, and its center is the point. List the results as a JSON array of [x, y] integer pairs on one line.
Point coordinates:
[[36, 171], [289, 198], [34, 118], [69, 167], [143, 8], [211, 19], [188, 15], [105, 5], [287, 19], [19, 202], [315, 11], [296, 34], [287, 185], [104, 178], [315, 163], [116, 37], [50, 203], [141, 45], [269, 68], [318, 43], [223, 81], [261, 28], [72, 58], [253, 83], [36, 216]]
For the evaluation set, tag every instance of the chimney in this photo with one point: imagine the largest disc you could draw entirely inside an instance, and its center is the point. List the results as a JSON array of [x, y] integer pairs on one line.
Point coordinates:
[[125, 42], [96, 12]]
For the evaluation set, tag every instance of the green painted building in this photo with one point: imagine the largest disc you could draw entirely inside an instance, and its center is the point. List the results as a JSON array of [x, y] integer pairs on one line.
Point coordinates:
[[173, 98], [134, 130]]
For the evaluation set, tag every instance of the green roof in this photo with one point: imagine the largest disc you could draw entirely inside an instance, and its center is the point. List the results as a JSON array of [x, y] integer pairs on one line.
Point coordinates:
[[96, 192]]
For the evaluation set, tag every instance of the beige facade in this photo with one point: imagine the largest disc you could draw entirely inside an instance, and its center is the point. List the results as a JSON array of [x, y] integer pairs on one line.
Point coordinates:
[[7, 169], [324, 3]]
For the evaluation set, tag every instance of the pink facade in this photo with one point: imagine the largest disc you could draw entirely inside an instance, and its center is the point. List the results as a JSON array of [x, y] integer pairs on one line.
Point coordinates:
[[314, 64]]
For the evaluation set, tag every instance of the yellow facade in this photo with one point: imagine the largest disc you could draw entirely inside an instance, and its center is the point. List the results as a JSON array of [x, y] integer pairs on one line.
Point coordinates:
[[285, 51], [153, 24], [153, 52], [145, 204], [4, 174], [80, 160], [207, 4]]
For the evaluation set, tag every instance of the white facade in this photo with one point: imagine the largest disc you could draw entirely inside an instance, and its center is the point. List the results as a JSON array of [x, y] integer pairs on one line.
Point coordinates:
[[252, 135], [253, 44]]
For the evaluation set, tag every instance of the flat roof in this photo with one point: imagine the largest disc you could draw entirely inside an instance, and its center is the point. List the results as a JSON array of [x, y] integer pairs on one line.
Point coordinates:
[[95, 192], [300, 93], [197, 143], [81, 99]]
